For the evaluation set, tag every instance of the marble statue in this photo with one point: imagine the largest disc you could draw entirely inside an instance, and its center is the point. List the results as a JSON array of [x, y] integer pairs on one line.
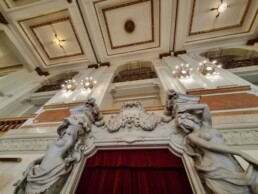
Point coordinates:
[[214, 161], [48, 174]]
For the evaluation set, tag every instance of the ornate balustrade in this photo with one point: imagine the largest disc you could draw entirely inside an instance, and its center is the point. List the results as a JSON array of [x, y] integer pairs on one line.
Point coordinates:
[[12, 123]]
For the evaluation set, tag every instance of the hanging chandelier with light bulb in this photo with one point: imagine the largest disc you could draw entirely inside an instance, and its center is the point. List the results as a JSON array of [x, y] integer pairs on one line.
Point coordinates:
[[69, 85], [206, 68], [88, 83], [182, 71]]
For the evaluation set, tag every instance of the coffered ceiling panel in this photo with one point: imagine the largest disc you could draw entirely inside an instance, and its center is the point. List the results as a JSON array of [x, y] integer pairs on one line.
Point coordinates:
[[54, 38], [232, 17], [17, 3], [126, 27], [207, 25], [57, 38], [129, 26]]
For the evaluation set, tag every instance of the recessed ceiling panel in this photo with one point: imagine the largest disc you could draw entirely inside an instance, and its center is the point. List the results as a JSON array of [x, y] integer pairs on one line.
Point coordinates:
[[129, 26], [17, 3], [118, 19], [206, 17], [54, 38], [57, 38]]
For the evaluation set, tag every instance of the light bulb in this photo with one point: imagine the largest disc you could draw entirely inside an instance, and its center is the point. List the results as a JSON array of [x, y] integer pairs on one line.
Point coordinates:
[[56, 41], [183, 71], [222, 7]]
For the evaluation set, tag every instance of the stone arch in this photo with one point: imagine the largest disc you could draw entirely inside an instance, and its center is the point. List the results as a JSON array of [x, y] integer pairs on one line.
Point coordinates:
[[133, 71]]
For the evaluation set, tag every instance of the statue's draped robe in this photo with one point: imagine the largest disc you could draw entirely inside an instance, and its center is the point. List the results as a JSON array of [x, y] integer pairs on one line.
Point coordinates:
[[39, 179]]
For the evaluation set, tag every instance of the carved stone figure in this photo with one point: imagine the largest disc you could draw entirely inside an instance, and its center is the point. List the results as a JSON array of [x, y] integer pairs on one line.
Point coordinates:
[[133, 114], [46, 174], [214, 160]]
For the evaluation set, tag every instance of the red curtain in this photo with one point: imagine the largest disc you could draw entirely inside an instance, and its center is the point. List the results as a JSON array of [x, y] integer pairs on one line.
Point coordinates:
[[134, 172]]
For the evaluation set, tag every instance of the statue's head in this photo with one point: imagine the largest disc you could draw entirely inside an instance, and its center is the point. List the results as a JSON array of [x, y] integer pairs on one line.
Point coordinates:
[[188, 122], [73, 122]]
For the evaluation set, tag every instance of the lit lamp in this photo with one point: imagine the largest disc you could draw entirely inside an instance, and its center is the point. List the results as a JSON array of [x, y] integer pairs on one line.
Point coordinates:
[[182, 71], [208, 68], [88, 83], [69, 85], [221, 8], [58, 41]]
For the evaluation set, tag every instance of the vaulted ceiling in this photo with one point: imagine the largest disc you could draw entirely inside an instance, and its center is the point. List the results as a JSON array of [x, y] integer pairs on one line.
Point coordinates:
[[67, 34]]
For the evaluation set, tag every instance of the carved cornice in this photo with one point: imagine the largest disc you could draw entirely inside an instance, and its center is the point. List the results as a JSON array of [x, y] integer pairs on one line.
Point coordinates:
[[161, 55], [219, 90], [2, 19], [176, 53]]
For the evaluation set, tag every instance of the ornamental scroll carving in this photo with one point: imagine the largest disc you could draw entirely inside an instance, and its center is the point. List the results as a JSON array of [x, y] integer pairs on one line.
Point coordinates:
[[132, 115]]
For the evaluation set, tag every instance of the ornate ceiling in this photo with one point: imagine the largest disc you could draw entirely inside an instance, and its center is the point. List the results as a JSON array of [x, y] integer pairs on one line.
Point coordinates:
[[68, 34]]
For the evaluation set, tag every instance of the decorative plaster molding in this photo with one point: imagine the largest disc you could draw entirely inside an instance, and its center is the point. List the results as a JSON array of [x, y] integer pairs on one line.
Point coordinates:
[[133, 115], [26, 144]]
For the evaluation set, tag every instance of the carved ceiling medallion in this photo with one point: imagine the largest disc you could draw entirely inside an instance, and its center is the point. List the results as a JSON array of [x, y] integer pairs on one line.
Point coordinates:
[[129, 26]]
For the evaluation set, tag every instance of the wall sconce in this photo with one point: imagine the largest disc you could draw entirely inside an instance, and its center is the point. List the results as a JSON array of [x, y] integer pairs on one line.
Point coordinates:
[[208, 68], [88, 83], [182, 71], [69, 85], [221, 8]]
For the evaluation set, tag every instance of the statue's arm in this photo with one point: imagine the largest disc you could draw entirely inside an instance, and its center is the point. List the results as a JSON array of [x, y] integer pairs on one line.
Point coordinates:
[[202, 143], [206, 113], [220, 148]]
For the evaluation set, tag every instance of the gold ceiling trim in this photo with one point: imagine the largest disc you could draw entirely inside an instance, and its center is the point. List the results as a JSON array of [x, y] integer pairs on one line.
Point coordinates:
[[55, 22], [220, 28], [39, 54], [125, 5]]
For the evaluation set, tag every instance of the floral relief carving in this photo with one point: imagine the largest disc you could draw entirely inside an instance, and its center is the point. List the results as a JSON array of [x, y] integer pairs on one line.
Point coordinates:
[[132, 115]]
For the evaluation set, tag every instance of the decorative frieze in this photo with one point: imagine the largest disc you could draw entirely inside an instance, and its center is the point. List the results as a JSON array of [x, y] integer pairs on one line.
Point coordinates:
[[35, 144], [239, 137]]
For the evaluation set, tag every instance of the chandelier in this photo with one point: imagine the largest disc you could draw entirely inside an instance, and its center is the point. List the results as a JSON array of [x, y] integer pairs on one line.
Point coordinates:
[[69, 85], [88, 83], [182, 71], [208, 68], [221, 8]]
